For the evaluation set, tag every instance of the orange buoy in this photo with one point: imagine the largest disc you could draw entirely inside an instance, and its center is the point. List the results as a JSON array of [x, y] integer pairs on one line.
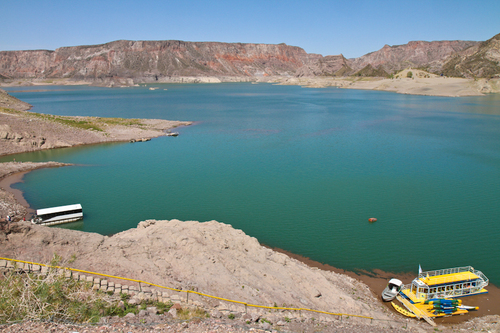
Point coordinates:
[[372, 219]]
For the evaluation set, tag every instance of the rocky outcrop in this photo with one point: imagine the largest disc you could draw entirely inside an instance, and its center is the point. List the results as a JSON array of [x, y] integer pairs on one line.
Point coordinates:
[[8, 203], [10, 102], [368, 70], [316, 65], [414, 54], [27, 131], [481, 60], [208, 257]]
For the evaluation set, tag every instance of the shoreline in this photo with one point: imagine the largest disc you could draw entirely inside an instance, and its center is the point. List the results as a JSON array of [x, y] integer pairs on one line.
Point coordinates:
[[422, 83], [13, 201], [7, 182], [375, 281]]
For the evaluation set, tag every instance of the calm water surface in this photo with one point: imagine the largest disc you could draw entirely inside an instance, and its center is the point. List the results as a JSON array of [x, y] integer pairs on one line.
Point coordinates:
[[299, 169]]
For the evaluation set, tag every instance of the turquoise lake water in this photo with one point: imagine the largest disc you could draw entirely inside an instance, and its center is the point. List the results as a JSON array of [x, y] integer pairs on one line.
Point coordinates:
[[300, 169]]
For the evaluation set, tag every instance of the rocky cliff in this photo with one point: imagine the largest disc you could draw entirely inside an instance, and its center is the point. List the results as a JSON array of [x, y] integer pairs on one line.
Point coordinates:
[[129, 62], [481, 60], [154, 60], [430, 55]]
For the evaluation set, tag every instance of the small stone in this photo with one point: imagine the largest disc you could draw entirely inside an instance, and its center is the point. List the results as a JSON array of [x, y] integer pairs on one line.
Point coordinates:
[[141, 296], [173, 312], [255, 317], [216, 314], [152, 309], [130, 315], [143, 313], [246, 317], [175, 298], [266, 326]]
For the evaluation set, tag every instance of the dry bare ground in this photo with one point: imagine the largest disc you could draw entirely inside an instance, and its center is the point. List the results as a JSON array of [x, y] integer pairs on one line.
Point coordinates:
[[421, 83]]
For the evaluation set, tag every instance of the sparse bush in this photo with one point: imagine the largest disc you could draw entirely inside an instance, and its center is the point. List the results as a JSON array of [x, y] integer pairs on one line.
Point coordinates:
[[186, 314], [56, 298], [32, 297], [409, 74]]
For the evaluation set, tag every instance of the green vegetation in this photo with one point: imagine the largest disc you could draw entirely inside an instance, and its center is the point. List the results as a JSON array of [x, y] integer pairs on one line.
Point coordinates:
[[186, 314], [369, 71], [86, 123], [409, 74], [54, 297]]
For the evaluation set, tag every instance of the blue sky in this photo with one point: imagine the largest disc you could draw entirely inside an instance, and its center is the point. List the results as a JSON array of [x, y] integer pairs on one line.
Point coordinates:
[[350, 27]]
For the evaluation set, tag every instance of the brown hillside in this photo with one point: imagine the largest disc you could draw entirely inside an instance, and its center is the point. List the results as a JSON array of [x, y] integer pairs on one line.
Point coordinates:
[[480, 61]]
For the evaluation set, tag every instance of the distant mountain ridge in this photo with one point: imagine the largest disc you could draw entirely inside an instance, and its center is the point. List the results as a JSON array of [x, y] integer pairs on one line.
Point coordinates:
[[480, 60], [414, 54], [153, 59], [164, 61]]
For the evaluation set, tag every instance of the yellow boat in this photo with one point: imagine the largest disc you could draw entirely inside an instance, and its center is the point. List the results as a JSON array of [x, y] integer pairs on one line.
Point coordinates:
[[445, 283], [404, 312], [433, 293]]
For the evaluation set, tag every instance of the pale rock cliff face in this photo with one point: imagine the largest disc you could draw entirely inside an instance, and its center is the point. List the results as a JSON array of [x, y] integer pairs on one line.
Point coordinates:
[[153, 60], [317, 65], [414, 54], [127, 62]]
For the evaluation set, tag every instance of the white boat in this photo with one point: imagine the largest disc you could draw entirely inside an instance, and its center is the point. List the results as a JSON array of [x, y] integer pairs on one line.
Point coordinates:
[[58, 215], [391, 291]]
